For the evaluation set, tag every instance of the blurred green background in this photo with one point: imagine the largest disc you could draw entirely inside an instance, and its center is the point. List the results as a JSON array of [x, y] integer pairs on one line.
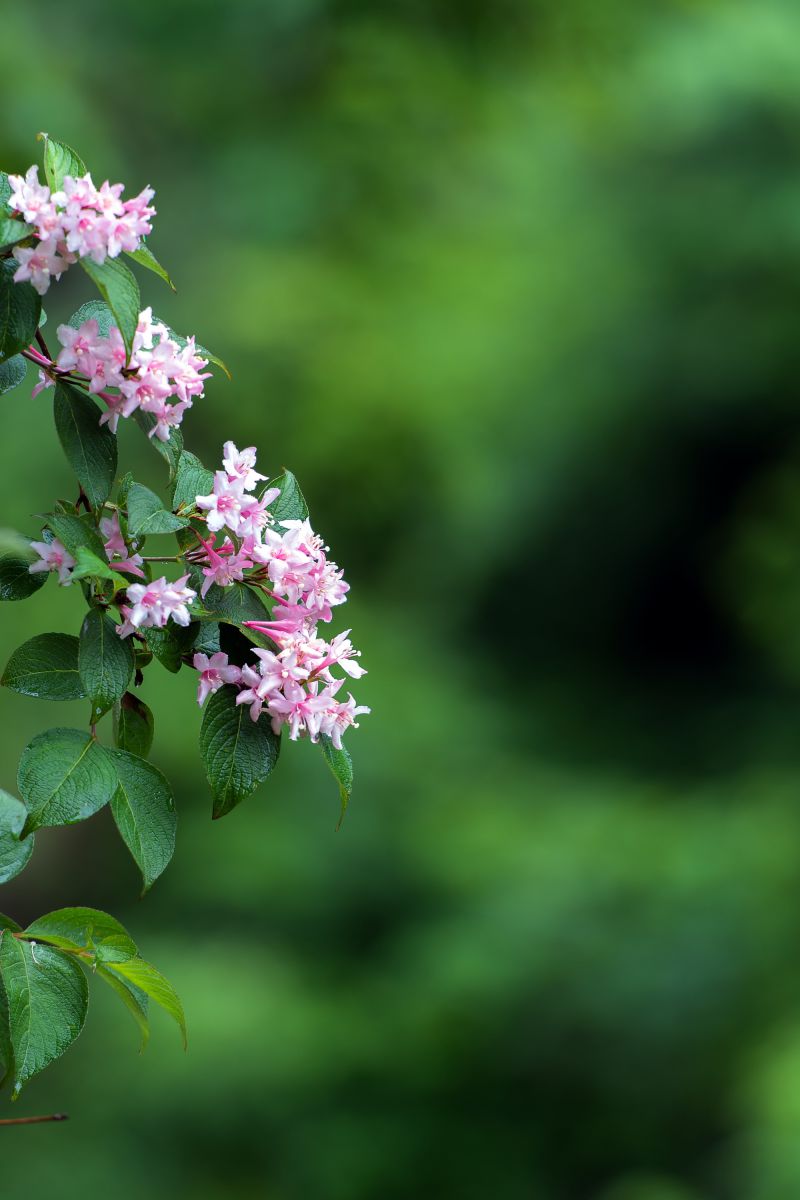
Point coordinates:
[[514, 288]]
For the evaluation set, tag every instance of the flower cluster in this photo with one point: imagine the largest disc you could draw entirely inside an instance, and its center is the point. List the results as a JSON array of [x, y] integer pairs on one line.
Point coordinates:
[[153, 604], [162, 378], [294, 683], [79, 221]]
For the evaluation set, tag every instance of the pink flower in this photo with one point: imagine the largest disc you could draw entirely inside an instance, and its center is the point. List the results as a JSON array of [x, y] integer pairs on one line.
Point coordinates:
[[239, 465], [255, 693], [288, 619], [214, 672], [116, 550], [341, 653], [139, 212], [114, 410], [168, 417], [301, 710], [38, 263], [287, 565], [336, 717], [225, 566], [278, 669], [253, 515], [153, 604], [224, 504], [43, 381], [28, 196], [53, 557], [146, 390], [325, 588], [108, 362], [79, 346]]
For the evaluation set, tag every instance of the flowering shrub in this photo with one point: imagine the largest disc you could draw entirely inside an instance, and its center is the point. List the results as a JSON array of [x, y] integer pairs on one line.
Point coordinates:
[[243, 603]]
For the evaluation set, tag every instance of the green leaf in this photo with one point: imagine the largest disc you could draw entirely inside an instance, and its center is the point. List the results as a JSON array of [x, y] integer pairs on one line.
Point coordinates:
[[134, 999], [60, 160], [341, 766], [6, 1050], [207, 637], [238, 754], [83, 929], [94, 310], [192, 479], [14, 854], [5, 189], [234, 604], [16, 581], [118, 287], [90, 447], [64, 776], [74, 532], [105, 662], [133, 725], [12, 373], [145, 258], [170, 644], [144, 810], [146, 513], [145, 977], [20, 306], [47, 999], [291, 504], [89, 566], [46, 667], [13, 231], [171, 449], [7, 923]]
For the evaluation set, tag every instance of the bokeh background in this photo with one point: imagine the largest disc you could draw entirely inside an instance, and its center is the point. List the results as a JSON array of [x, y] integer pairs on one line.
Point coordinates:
[[514, 288]]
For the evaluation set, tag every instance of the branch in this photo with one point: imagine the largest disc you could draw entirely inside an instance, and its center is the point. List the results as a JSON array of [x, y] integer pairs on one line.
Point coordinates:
[[34, 1120]]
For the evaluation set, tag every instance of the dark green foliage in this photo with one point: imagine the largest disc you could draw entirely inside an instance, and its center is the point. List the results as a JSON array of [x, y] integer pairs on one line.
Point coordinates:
[[118, 287], [16, 581], [147, 515], [12, 373], [291, 504], [169, 450], [19, 312], [192, 479], [133, 725], [60, 160], [144, 811], [145, 258], [105, 662], [64, 776], [13, 231], [75, 532], [46, 996], [46, 667], [14, 851], [238, 754], [90, 447], [341, 766]]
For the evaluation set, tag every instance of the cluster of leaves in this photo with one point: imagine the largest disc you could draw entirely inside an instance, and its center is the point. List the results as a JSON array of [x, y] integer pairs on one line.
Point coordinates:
[[44, 993], [66, 775]]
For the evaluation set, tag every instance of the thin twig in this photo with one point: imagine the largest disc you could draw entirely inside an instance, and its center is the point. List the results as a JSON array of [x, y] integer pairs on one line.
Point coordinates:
[[34, 1120], [43, 344]]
